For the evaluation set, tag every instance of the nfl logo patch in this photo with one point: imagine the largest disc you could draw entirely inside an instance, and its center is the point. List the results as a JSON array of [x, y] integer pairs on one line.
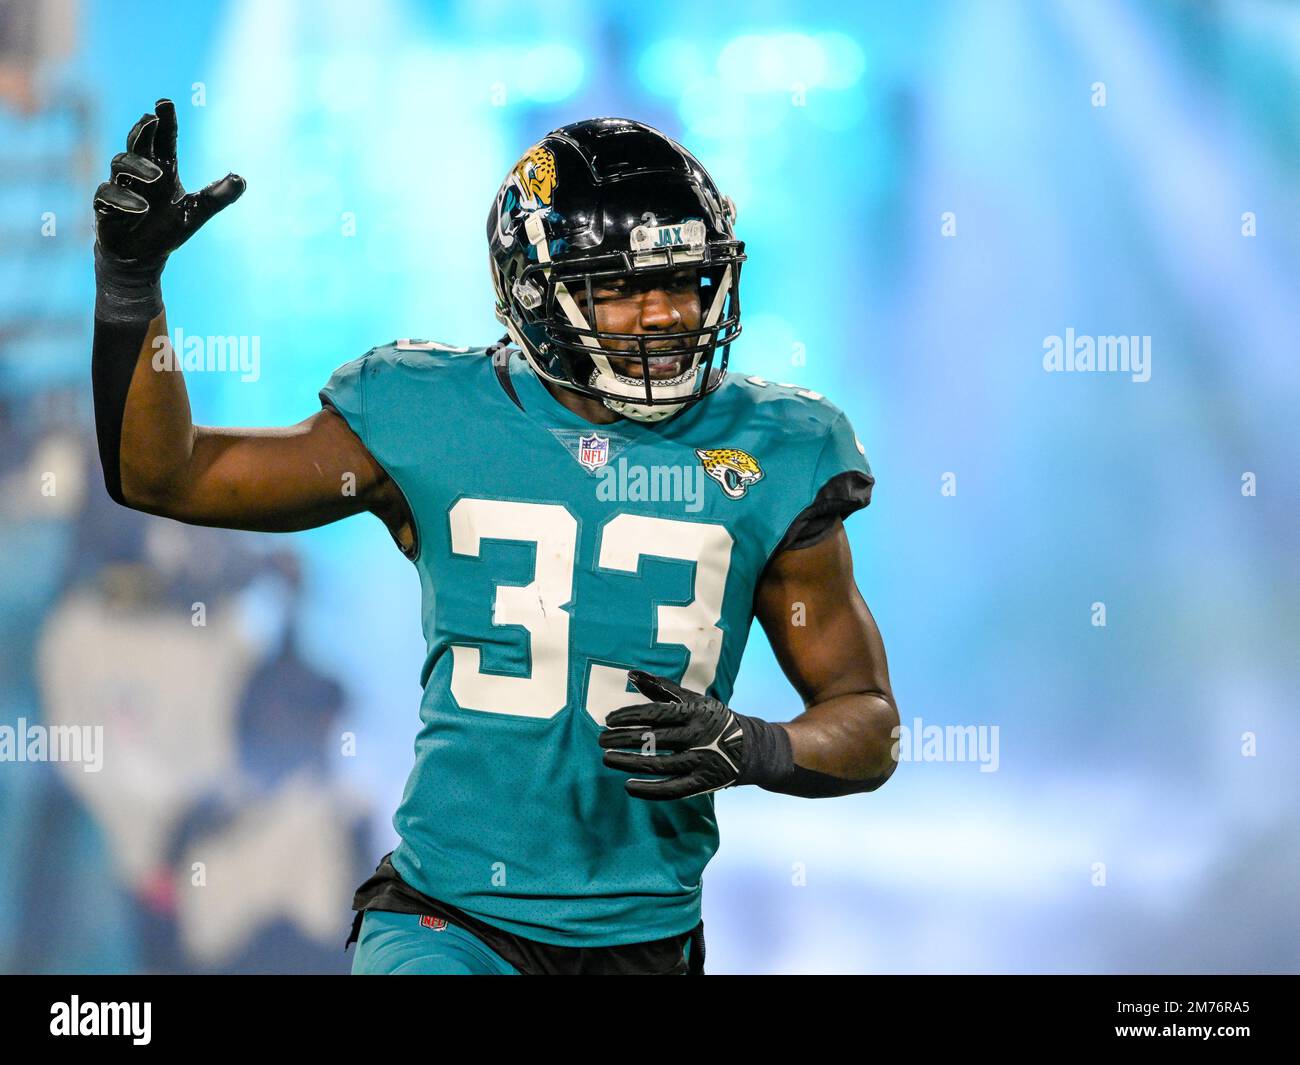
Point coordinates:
[[593, 451], [438, 924]]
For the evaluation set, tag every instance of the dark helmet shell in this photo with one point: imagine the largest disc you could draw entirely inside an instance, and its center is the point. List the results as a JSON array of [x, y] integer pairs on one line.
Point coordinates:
[[610, 197]]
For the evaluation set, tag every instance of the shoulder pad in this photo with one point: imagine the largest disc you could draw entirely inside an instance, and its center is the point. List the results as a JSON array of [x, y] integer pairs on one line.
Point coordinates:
[[783, 400], [798, 390], [426, 345]]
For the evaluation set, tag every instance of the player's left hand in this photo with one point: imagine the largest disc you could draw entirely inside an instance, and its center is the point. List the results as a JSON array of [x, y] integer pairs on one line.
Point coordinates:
[[705, 737]]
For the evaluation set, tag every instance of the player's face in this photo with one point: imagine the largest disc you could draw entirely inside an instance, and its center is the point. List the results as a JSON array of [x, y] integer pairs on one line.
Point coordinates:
[[658, 303]]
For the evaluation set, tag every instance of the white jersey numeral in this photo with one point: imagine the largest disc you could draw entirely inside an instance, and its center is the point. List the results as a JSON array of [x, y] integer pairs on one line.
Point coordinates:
[[694, 625], [542, 606], [539, 606]]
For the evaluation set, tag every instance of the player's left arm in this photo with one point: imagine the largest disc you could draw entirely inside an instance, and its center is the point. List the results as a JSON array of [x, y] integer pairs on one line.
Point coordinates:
[[826, 642], [829, 647]]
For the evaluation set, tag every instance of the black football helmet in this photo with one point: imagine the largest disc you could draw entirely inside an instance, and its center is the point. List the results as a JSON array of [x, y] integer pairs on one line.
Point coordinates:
[[609, 198]]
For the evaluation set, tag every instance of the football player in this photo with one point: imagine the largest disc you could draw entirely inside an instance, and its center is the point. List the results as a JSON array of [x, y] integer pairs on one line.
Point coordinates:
[[585, 608]]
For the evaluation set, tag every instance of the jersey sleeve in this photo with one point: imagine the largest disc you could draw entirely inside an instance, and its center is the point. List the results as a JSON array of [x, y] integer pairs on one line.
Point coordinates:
[[842, 482], [345, 393]]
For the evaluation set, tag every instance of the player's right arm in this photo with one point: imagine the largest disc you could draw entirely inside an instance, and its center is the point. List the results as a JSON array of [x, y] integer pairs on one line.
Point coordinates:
[[154, 458], [270, 480]]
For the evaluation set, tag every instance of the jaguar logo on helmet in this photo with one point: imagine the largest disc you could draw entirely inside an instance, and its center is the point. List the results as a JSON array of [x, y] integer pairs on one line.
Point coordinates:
[[535, 177], [530, 186]]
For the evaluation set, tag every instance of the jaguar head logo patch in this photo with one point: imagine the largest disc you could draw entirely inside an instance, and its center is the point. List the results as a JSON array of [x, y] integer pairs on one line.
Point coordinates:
[[733, 469]]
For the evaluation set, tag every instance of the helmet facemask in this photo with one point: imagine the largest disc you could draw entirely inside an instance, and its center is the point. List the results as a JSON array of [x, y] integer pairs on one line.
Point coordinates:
[[625, 370]]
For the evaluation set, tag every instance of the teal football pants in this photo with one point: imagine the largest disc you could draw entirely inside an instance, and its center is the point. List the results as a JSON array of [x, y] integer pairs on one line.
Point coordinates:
[[398, 943], [408, 944]]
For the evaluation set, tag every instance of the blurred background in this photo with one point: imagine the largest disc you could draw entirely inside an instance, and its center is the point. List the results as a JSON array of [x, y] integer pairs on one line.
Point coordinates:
[[1097, 573]]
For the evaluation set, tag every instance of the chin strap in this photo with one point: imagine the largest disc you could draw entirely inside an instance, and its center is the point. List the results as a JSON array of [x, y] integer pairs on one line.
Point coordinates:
[[640, 412]]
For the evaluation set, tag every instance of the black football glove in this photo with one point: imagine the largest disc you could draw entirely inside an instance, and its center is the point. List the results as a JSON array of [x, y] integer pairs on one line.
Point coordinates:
[[144, 214], [706, 738]]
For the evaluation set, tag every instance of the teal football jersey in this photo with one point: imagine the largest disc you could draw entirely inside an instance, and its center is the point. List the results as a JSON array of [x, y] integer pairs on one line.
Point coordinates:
[[554, 555]]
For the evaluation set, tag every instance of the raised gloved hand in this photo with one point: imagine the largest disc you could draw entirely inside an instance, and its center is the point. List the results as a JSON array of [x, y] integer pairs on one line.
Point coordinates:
[[143, 214]]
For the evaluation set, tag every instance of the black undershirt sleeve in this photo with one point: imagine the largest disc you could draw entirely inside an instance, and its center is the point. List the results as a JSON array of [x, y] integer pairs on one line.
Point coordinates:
[[769, 763], [128, 296], [114, 352], [838, 498]]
